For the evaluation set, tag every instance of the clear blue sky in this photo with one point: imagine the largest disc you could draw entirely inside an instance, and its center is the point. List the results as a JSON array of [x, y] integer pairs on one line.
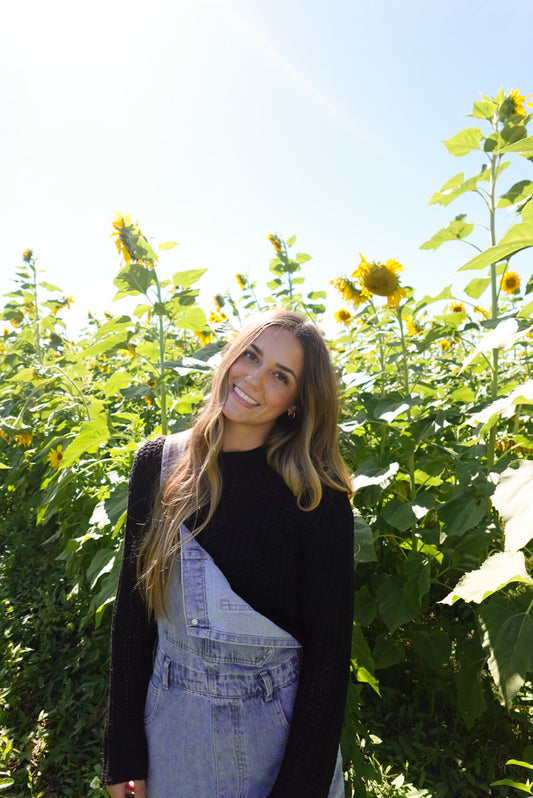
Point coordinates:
[[215, 122]]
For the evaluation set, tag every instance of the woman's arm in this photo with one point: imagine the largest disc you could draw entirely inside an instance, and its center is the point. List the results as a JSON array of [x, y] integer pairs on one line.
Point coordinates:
[[327, 605], [133, 637]]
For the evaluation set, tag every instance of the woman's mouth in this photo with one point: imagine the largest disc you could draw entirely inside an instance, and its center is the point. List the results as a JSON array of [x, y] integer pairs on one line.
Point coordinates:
[[244, 396]]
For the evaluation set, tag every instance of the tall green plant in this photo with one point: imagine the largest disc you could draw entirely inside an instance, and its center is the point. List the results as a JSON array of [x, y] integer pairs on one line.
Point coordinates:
[[505, 131]]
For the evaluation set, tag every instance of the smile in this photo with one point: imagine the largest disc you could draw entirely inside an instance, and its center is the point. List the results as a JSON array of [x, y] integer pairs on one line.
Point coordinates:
[[244, 396]]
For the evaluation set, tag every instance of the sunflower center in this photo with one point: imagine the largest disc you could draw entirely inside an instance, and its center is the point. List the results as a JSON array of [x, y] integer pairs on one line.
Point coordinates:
[[380, 280]]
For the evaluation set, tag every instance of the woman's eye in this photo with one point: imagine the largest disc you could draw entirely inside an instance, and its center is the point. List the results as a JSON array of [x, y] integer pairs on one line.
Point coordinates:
[[282, 377], [250, 355]]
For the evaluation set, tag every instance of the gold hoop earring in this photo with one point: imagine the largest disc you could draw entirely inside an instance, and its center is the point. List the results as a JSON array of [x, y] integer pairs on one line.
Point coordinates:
[[291, 414]]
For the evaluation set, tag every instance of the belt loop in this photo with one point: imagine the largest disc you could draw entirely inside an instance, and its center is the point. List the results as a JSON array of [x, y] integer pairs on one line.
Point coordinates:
[[267, 684], [165, 675]]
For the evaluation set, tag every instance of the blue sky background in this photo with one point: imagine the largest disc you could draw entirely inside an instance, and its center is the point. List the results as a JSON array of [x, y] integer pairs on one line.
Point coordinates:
[[214, 122]]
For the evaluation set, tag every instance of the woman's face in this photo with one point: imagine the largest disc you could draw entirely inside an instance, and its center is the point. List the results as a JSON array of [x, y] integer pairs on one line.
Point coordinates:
[[262, 385]]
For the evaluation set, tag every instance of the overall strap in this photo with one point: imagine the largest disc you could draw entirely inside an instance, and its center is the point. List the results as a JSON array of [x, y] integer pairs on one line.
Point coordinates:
[[173, 449]]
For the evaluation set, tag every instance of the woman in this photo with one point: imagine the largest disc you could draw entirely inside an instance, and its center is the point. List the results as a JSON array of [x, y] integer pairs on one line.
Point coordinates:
[[239, 575]]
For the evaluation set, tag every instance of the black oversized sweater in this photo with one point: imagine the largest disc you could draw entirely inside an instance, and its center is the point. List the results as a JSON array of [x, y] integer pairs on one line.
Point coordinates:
[[294, 567]]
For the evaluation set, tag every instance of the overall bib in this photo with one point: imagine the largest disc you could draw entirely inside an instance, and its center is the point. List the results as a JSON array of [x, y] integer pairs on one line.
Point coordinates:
[[219, 702]]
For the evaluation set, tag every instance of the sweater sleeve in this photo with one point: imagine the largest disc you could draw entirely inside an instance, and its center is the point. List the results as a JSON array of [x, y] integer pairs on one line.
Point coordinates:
[[327, 606], [133, 635]]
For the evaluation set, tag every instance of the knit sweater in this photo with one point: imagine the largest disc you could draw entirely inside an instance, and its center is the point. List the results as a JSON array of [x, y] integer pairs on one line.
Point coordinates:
[[292, 566]]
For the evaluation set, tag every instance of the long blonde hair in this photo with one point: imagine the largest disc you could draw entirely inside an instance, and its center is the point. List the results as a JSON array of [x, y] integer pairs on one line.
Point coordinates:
[[303, 450]]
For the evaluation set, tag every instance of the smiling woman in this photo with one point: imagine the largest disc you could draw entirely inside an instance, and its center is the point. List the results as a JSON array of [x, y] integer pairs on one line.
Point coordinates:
[[234, 584], [263, 384]]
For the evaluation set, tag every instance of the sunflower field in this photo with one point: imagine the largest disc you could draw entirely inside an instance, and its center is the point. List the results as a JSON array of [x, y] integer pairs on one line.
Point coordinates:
[[436, 426]]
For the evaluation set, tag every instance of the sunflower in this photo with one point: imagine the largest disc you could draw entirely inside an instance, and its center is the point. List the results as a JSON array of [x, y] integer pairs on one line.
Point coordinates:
[[510, 283], [457, 307], [276, 242], [517, 101], [204, 337], [342, 316], [24, 439], [130, 242], [348, 291], [413, 327], [381, 279], [151, 383], [481, 311], [241, 279], [55, 456], [27, 255], [445, 345]]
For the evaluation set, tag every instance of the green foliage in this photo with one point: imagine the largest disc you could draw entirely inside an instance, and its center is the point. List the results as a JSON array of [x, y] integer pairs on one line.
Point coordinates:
[[435, 426]]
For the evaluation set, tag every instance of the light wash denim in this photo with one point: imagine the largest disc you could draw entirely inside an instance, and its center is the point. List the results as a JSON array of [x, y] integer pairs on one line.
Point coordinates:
[[220, 699]]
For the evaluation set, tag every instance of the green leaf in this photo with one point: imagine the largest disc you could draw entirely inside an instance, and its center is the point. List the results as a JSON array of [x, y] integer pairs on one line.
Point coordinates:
[[470, 698], [464, 142], [395, 607], [517, 193], [113, 342], [477, 287], [291, 241], [513, 500], [387, 652], [91, 435], [457, 230], [484, 110], [364, 550], [461, 513], [510, 783], [403, 515], [362, 661], [167, 245], [301, 257], [448, 193], [498, 571], [133, 280], [187, 278], [507, 626], [519, 237], [526, 311], [434, 647], [102, 562], [524, 146], [365, 606]]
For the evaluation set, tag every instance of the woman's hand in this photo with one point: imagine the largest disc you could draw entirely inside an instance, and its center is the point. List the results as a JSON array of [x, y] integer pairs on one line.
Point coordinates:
[[126, 789]]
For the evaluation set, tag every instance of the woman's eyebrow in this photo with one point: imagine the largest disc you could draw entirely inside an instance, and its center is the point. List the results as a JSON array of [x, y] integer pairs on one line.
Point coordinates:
[[279, 365]]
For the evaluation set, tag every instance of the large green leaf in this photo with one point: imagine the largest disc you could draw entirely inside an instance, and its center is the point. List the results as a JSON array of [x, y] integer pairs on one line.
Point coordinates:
[[470, 698], [91, 435], [477, 287], [524, 146], [498, 571], [517, 193], [519, 237], [507, 626], [395, 607], [133, 280], [513, 498], [457, 230], [464, 142], [451, 190], [461, 513], [364, 550], [434, 647], [403, 515], [187, 278]]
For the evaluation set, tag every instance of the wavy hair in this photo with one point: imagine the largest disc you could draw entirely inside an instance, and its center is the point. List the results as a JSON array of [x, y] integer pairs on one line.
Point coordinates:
[[303, 450]]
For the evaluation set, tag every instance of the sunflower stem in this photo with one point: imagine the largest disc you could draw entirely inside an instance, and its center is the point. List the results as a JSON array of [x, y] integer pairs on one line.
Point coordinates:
[[161, 363], [407, 390], [494, 161]]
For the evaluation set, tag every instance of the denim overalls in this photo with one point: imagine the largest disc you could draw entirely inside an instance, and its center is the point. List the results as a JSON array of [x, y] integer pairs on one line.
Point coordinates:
[[219, 702]]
